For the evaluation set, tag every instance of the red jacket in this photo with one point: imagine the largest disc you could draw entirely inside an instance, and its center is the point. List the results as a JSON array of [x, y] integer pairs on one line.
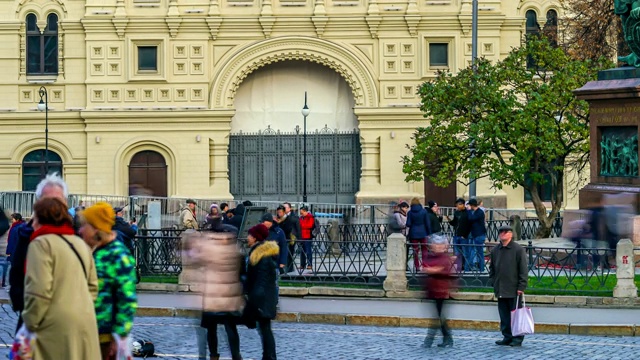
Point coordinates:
[[437, 286], [306, 225]]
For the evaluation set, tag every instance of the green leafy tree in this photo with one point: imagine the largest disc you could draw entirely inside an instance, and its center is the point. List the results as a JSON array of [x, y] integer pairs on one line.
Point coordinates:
[[525, 124]]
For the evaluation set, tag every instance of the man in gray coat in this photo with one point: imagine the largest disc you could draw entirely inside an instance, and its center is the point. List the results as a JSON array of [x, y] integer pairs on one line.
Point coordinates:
[[508, 273]]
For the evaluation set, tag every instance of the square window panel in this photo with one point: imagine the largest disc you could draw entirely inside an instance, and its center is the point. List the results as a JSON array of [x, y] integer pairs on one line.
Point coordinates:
[[148, 58], [438, 54]]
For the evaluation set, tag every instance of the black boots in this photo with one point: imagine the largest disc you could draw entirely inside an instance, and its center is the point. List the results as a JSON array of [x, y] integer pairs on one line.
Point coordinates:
[[447, 341], [428, 340]]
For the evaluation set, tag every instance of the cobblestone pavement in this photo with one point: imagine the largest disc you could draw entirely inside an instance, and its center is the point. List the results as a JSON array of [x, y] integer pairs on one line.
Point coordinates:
[[175, 338]]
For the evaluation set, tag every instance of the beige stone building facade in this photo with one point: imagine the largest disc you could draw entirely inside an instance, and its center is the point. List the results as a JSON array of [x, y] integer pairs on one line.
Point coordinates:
[[150, 90]]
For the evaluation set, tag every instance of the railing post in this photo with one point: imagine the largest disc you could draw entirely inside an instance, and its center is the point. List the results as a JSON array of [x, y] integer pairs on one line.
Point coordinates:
[[530, 251], [625, 271], [396, 263]]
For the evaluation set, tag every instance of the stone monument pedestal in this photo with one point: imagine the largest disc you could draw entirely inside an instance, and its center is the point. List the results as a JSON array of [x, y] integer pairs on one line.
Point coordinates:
[[614, 103]]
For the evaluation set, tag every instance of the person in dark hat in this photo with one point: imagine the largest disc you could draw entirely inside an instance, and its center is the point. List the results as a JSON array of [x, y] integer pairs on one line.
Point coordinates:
[[261, 290], [508, 274], [276, 234], [188, 218], [126, 231]]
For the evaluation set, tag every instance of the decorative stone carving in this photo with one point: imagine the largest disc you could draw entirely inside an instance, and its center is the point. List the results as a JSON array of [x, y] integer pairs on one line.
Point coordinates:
[[339, 58]]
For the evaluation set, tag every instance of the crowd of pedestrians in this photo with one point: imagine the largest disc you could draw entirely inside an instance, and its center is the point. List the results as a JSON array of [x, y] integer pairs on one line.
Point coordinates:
[[72, 277]]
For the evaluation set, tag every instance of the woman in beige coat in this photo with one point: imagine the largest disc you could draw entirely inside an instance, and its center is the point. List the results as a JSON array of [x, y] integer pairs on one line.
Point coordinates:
[[60, 287], [218, 256]]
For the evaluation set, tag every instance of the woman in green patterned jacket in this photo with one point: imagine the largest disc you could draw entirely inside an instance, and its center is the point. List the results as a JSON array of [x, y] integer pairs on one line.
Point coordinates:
[[116, 277]]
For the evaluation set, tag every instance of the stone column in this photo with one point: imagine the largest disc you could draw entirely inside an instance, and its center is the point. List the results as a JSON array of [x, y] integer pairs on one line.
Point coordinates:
[[625, 272], [396, 264]]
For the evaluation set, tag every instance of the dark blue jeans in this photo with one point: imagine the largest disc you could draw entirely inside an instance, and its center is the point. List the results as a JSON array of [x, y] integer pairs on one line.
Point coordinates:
[[5, 268], [460, 246], [306, 255], [475, 261]]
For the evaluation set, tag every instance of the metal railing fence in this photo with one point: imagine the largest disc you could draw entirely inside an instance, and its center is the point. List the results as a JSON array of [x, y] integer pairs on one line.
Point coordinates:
[[136, 207], [579, 270]]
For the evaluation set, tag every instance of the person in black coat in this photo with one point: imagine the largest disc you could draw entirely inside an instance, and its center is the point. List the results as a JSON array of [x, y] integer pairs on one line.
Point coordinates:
[[509, 275], [4, 222], [124, 228], [261, 286], [238, 216], [462, 228], [419, 229], [435, 219]]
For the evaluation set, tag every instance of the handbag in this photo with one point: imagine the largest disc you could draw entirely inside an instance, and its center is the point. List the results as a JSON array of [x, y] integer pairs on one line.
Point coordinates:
[[521, 319]]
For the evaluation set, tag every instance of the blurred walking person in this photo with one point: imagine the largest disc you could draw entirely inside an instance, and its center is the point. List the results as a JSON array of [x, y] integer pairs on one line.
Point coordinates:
[[437, 286], [307, 225], [419, 228], [261, 286], [60, 287], [52, 186], [223, 301], [509, 275], [116, 303]]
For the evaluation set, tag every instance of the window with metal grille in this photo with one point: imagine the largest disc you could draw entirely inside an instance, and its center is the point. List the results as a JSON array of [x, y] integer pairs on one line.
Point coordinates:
[[35, 168], [42, 47]]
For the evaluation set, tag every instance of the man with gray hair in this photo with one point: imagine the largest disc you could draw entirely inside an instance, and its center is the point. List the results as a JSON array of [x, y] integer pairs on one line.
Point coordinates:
[[52, 186]]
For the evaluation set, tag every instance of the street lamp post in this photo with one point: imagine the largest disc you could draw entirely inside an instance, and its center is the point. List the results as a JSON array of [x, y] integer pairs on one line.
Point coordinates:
[[305, 113], [43, 105], [474, 55]]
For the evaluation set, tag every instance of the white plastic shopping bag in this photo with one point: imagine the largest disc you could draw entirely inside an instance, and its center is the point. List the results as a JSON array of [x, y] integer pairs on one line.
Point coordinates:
[[22, 348], [521, 319], [124, 347]]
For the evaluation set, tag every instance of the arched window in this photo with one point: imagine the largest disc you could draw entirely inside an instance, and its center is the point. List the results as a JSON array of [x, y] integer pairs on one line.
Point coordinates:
[[42, 47], [532, 23], [35, 168], [532, 29], [148, 174], [551, 27]]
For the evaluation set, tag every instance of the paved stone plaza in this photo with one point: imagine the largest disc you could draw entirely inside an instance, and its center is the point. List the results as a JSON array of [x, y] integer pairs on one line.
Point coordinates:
[[175, 339]]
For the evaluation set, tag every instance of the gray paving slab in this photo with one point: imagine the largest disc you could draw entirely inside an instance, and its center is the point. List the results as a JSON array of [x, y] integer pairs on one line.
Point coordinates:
[[175, 338], [457, 310]]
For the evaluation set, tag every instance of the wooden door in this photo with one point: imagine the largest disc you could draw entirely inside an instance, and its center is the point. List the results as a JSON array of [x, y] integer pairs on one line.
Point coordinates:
[[148, 174]]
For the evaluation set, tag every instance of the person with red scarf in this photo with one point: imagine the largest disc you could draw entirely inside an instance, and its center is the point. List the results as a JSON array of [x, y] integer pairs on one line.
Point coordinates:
[[60, 287]]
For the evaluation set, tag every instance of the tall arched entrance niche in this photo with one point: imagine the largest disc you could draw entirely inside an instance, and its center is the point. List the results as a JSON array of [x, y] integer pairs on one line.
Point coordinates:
[[273, 97], [266, 145], [148, 174]]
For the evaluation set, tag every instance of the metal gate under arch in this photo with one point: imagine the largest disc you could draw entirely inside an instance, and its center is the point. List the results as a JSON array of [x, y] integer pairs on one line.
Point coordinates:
[[267, 165]]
